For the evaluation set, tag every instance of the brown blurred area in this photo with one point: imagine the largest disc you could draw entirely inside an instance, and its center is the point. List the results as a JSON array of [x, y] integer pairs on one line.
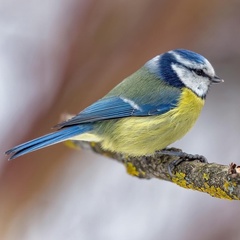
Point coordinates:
[[61, 56]]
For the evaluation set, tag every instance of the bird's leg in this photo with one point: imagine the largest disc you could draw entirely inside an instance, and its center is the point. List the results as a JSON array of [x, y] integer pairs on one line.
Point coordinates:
[[182, 157]]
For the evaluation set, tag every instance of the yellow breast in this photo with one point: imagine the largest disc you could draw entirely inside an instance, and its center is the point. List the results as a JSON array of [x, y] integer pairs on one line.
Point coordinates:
[[144, 135]]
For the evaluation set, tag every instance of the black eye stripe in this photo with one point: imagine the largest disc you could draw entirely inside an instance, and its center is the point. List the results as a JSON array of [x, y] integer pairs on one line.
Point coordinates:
[[200, 72]]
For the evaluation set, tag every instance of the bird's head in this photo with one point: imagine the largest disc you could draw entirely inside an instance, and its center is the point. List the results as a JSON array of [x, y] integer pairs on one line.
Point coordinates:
[[184, 68]]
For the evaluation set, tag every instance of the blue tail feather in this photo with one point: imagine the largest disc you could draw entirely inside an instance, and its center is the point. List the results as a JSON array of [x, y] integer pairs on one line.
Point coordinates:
[[47, 140]]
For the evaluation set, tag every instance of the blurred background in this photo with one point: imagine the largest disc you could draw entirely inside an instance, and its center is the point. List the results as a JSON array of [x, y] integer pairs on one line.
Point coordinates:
[[59, 56]]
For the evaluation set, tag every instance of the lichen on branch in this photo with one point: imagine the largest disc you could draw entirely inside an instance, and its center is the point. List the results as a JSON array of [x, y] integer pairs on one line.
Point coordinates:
[[218, 180]]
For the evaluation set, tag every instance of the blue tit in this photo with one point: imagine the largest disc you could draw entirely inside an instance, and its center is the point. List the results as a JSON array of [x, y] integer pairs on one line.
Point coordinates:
[[147, 111]]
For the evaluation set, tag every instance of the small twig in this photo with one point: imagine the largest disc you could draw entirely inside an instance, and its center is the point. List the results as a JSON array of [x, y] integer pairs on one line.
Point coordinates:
[[218, 180]]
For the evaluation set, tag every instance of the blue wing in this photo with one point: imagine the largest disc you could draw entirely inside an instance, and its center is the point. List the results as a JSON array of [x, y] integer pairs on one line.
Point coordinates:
[[110, 107], [119, 107]]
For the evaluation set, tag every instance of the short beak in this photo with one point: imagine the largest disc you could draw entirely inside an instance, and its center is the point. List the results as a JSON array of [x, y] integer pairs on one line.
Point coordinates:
[[216, 79]]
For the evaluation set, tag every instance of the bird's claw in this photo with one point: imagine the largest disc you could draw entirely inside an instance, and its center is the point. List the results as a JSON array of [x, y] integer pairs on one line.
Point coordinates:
[[182, 158]]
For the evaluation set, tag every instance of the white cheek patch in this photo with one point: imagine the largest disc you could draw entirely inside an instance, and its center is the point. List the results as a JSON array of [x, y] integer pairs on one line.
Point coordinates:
[[197, 84]]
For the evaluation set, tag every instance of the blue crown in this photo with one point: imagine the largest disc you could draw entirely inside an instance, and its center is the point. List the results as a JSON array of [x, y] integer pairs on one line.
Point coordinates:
[[162, 65], [189, 55]]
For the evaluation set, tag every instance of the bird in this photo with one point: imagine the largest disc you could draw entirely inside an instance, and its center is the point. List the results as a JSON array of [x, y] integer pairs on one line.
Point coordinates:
[[146, 112]]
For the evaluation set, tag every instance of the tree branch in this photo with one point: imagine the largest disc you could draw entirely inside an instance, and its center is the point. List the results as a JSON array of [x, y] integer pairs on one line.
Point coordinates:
[[218, 180]]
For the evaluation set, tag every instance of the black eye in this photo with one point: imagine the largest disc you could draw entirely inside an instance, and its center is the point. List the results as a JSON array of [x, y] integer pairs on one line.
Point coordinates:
[[200, 72]]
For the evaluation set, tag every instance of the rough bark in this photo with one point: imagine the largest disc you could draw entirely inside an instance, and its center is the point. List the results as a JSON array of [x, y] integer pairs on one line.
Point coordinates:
[[220, 181]]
